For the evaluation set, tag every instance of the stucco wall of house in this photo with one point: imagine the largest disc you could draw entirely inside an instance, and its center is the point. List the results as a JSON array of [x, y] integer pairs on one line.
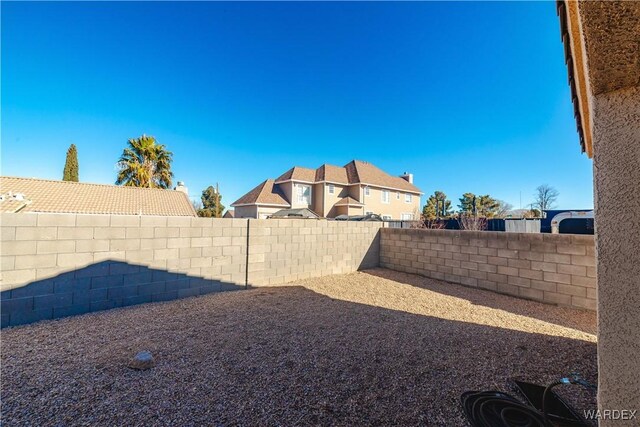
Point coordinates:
[[246, 212], [290, 191], [616, 137], [318, 199], [266, 211], [287, 190], [340, 191], [395, 208], [355, 191]]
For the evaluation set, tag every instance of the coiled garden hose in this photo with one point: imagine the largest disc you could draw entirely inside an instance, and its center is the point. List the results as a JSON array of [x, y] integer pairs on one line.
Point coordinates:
[[497, 409]]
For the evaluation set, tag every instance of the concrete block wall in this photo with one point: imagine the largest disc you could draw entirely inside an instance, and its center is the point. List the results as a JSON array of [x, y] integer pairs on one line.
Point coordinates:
[[552, 268], [54, 265], [284, 250]]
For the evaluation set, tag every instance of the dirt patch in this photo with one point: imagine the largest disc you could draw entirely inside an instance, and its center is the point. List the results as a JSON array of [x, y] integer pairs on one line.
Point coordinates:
[[369, 348]]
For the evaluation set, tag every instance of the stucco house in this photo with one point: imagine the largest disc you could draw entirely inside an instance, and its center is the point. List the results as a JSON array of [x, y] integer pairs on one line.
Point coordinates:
[[358, 188]]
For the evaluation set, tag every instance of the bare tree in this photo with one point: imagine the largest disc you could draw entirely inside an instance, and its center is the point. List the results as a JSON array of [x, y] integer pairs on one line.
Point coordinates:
[[472, 222], [435, 224], [418, 220], [503, 209], [545, 198]]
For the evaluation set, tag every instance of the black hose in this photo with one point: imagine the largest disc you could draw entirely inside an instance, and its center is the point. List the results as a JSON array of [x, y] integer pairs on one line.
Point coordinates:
[[497, 409], [547, 390]]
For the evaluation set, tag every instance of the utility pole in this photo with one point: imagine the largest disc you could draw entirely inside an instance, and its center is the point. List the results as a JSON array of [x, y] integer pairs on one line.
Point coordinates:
[[520, 199]]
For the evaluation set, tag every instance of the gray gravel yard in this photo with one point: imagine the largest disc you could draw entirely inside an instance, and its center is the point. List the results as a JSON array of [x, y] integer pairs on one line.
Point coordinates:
[[369, 348]]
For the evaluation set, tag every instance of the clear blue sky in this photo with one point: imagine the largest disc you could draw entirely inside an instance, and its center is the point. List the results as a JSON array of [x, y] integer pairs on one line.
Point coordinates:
[[468, 96]]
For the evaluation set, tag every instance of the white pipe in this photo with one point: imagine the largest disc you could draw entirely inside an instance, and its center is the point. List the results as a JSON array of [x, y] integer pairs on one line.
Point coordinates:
[[555, 221]]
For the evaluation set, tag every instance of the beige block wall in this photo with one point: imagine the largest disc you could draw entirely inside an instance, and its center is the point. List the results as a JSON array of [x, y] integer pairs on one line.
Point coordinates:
[[62, 264], [286, 250], [552, 268]]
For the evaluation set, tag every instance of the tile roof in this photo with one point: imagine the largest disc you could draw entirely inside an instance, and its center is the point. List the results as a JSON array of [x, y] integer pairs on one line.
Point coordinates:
[[75, 197], [264, 194], [348, 201]]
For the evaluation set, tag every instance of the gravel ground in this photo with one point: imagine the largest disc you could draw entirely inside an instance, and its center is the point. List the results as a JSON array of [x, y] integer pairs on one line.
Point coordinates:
[[368, 348]]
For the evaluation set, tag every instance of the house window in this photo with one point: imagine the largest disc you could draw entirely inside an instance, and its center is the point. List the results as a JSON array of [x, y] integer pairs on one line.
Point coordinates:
[[385, 196], [406, 217], [397, 195], [408, 198], [304, 194], [332, 188], [367, 191]]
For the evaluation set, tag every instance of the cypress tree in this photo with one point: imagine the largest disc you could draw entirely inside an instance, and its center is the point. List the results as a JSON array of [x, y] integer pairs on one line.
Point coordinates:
[[71, 165]]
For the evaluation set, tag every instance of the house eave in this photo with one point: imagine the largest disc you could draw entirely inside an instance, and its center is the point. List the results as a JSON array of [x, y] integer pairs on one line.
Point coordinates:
[[576, 61], [260, 204]]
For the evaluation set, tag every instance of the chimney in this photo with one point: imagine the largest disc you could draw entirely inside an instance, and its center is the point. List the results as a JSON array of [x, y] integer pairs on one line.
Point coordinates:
[[407, 177], [181, 187]]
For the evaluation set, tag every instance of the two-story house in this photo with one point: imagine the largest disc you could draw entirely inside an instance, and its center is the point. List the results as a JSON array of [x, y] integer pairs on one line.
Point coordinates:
[[358, 188]]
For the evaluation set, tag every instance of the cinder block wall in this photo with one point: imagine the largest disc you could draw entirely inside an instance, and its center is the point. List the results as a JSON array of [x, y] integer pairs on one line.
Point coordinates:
[[552, 268], [54, 265], [284, 250]]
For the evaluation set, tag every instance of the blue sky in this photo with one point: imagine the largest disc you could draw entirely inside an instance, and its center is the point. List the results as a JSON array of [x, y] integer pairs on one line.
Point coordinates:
[[469, 96]]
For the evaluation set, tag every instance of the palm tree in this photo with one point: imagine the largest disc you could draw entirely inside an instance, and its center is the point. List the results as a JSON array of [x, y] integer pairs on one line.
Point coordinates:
[[145, 164]]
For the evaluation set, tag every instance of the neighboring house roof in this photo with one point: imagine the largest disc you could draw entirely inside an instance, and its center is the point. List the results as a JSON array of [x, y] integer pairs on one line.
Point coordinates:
[[348, 201], [230, 213], [353, 173], [9, 204], [266, 193], [295, 213], [297, 173], [51, 196], [366, 173], [332, 173]]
